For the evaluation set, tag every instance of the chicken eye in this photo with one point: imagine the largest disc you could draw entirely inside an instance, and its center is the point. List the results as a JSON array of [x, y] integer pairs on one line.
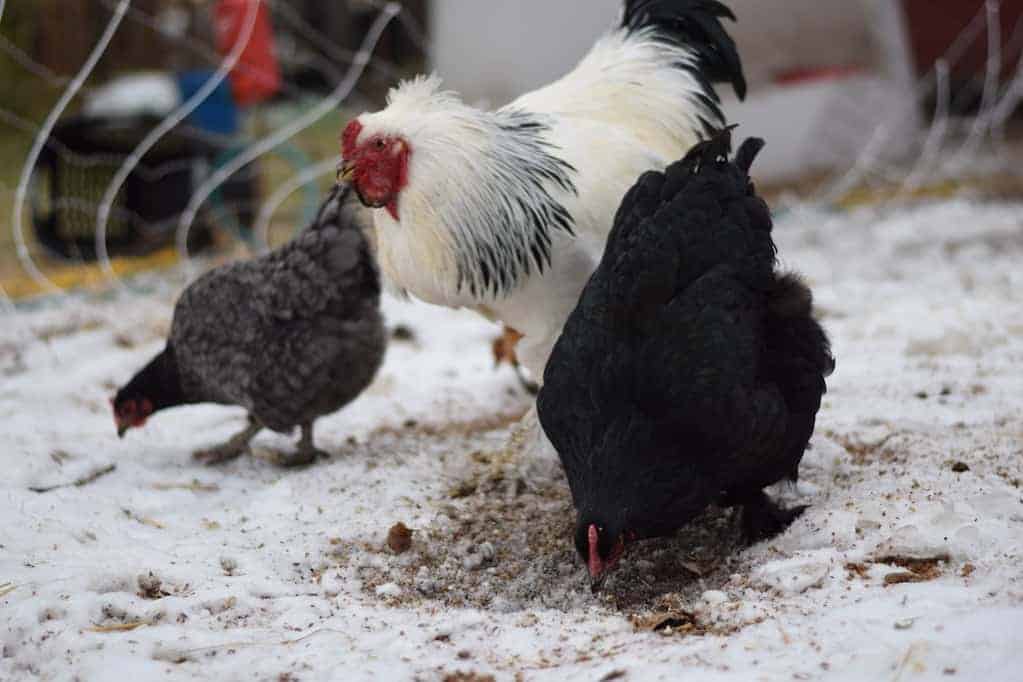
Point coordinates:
[[380, 144]]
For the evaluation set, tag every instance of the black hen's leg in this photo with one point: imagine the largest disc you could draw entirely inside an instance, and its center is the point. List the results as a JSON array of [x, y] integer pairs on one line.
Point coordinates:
[[232, 449], [306, 453], [763, 519]]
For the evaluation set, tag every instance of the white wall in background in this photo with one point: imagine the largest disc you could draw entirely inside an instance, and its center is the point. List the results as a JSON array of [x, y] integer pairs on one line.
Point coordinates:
[[493, 50], [496, 50], [776, 36]]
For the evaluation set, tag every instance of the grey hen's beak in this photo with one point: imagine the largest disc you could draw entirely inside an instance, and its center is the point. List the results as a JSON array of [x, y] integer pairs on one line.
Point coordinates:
[[345, 172]]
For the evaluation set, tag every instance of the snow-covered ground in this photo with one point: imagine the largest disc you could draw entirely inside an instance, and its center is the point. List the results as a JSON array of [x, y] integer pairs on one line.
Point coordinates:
[[907, 566]]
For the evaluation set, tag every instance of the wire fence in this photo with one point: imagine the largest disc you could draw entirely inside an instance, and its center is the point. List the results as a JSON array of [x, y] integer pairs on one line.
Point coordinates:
[[345, 68], [949, 147]]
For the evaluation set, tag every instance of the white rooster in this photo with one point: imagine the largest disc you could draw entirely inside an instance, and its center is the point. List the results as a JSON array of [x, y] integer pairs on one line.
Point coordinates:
[[507, 212]]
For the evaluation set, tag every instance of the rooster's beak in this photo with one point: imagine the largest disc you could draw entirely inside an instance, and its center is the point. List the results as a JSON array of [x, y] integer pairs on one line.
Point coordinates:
[[345, 171], [121, 429]]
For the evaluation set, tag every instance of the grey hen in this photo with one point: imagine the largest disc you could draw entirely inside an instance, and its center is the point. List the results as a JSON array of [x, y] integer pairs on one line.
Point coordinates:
[[290, 336]]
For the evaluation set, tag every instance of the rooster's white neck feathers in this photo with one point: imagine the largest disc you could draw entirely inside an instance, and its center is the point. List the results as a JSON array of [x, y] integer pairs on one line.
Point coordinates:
[[485, 190]]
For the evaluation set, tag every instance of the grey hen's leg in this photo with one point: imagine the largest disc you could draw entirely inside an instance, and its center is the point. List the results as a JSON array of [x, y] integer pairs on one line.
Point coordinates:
[[306, 453], [232, 449]]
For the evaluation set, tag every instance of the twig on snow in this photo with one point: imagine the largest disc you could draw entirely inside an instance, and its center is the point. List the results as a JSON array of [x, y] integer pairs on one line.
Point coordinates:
[[195, 486], [79, 482], [117, 627]]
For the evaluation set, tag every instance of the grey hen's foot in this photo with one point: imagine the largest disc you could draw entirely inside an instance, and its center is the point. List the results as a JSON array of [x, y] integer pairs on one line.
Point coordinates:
[[232, 449], [763, 519], [300, 458], [220, 454], [306, 454]]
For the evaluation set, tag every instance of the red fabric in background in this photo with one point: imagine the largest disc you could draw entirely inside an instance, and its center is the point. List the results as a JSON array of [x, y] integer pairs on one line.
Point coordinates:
[[257, 75], [935, 24]]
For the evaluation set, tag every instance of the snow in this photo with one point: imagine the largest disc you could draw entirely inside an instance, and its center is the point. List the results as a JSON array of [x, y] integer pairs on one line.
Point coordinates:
[[906, 566]]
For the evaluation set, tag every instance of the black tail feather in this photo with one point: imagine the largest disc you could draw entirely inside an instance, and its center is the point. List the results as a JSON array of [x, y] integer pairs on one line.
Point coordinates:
[[791, 306], [697, 25], [748, 152]]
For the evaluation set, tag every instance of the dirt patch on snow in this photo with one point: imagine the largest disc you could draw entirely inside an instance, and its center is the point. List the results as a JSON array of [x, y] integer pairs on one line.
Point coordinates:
[[498, 543]]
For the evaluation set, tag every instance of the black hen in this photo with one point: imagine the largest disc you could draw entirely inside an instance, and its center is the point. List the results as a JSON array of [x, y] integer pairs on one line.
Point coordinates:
[[690, 373], [290, 336]]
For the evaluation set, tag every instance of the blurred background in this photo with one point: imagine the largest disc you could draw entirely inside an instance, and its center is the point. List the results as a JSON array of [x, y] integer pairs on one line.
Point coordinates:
[[210, 126]]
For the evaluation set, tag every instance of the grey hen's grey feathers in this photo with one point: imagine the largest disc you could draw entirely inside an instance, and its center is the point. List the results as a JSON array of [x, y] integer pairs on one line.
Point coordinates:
[[291, 335]]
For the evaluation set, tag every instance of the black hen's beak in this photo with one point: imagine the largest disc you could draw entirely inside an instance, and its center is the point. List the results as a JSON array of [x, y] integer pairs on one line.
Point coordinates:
[[596, 567], [121, 430], [599, 567]]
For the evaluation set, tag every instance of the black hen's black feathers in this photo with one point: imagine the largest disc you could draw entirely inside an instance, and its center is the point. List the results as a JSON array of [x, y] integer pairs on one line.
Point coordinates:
[[697, 25], [690, 371]]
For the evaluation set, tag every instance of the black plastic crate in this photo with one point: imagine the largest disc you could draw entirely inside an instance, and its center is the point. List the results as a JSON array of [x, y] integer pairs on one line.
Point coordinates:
[[80, 160]]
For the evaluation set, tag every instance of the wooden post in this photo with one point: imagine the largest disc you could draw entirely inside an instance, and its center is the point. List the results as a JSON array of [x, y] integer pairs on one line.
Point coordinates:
[[65, 34]]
